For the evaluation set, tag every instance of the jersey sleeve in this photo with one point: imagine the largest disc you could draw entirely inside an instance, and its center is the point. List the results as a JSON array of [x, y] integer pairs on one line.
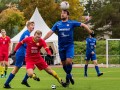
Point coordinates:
[[9, 40], [45, 47], [76, 23], [23, 36], [20, 43], [54, 28]]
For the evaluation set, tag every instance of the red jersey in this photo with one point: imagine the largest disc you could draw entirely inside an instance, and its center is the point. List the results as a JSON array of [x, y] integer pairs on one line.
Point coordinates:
[[4, 44], [33, 48]]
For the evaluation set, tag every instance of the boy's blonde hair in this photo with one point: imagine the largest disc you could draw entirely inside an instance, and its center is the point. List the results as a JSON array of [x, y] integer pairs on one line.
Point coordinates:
[[28, 23]]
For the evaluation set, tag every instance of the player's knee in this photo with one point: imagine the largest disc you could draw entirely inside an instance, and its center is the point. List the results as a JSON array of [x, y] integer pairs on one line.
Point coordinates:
[[30, 74], [15, 70]]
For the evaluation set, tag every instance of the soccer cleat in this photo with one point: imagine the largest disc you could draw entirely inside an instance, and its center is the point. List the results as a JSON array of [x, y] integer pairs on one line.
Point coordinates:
[[63, 83], [85, 75], [25, 83], [100, 74], [67, 84], [67, 81], [2, 76], [72, 80], [36, 78], [7, 86]]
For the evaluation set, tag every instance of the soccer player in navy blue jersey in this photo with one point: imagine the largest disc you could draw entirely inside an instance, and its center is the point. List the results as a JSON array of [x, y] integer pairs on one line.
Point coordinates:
[[65, 29], [20, 56], [91, 55]]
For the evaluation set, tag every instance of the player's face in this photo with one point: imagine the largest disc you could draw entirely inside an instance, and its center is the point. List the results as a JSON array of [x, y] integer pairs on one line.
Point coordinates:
[[31, 27], [64, 15], [3, 33], [37, 37]]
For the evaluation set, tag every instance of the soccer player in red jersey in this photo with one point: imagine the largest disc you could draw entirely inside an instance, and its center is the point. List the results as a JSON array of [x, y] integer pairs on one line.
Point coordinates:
[[4, 51], [33, 57]]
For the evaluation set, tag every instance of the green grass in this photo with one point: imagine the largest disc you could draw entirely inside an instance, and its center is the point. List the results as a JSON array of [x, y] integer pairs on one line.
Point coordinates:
[[109, 81]]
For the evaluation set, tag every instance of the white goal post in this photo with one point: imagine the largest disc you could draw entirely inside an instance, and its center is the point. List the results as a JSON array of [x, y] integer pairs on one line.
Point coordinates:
[[107, 50]]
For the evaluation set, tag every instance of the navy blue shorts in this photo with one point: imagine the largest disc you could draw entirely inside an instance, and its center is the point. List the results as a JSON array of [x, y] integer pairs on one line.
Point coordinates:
[[90, 56], [67, 52], [19, 60]]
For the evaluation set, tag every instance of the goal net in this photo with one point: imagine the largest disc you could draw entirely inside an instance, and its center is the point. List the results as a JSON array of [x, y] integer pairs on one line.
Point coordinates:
[[113, 52]]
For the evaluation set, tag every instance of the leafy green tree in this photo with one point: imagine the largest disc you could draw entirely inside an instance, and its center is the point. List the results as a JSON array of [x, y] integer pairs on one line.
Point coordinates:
[[5, 3], [10, 19], [107, 14], [50, 11]]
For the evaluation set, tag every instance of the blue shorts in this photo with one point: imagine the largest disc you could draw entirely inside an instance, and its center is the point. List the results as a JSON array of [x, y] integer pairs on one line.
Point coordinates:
[[19, 60], [90, 57], [67, 52]]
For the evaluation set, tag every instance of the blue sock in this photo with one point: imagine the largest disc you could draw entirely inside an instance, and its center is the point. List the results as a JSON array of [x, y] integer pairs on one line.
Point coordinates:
[[69, 68], [11, 76], [97, 70], [25, 78], [85, 69], [65, 68]]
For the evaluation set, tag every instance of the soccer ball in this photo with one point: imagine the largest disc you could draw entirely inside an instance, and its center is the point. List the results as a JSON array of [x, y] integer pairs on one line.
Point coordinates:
[[64, 5], [53, 86]]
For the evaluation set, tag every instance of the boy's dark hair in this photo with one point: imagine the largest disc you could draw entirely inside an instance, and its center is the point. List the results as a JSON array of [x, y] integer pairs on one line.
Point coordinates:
[[67, 12]]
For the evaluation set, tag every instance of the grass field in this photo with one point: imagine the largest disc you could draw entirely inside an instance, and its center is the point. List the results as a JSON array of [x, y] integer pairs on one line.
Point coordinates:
[[109, 81]]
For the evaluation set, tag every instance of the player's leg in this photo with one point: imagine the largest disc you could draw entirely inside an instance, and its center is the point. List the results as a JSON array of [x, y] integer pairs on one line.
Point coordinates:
[[69, 57], [30, 70], [6, 64], [55, 75], [18, 65], [94, 59], [41, 64], [2, 69], [1, 66], [24, 81], [6, 67], [62, 54], [86, 68], [87, 58], [10, 77]]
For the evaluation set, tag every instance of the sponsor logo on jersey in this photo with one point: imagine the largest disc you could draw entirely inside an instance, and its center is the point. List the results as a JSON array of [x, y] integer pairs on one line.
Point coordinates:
[[64, 29]]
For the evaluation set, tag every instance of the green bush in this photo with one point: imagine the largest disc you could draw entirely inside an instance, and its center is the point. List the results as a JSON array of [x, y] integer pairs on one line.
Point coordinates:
[[114, 49]]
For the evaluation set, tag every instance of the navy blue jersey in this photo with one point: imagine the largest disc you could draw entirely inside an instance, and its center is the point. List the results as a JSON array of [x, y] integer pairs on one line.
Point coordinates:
[[21, 51], [90, 44], [65, 32]]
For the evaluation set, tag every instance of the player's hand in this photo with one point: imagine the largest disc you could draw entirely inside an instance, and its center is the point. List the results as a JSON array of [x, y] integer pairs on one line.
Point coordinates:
[[12, 54], [92, 34], [92, 52]]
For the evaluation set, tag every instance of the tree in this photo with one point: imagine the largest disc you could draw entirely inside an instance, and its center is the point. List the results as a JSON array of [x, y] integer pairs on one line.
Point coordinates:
[[10, 19], [108, 14], [5, 3], [50, 11]]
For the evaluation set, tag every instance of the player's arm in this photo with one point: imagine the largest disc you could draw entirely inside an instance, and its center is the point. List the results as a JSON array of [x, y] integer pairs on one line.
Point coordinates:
[[18, 45], [54, 28], [9, 49], [46, 48], [86, 27], [95, 44], [48, 34]]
